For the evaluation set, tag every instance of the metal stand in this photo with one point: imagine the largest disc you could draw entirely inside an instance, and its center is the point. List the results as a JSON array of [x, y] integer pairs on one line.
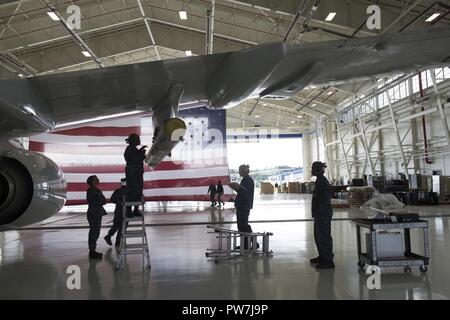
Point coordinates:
[[409, 259], [227, 244], [133, 228]]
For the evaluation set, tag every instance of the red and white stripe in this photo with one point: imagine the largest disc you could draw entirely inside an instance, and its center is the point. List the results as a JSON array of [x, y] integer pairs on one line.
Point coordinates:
[[98, 149]]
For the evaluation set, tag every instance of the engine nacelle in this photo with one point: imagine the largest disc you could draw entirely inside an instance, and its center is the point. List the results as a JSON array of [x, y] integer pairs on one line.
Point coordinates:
[[32, 188]]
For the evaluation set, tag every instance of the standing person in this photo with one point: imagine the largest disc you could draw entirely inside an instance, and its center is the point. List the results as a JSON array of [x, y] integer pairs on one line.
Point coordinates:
[[322, 213], [220, 194], [244, 199], [134, 171], [117, 198], [96, 201], [212, 193]]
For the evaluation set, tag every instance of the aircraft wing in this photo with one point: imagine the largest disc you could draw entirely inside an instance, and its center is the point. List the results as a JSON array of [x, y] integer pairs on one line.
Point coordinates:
[[273, 70]]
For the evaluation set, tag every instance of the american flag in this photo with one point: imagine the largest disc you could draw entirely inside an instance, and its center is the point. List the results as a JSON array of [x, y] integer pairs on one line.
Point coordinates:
[[98, 149]]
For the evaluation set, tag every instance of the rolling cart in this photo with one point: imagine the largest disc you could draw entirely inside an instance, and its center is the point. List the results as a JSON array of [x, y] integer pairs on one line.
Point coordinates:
[[408, 259]]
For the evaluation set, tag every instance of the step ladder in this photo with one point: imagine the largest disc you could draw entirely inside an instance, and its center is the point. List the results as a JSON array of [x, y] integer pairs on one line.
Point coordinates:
[[228, 240], [133, 228]]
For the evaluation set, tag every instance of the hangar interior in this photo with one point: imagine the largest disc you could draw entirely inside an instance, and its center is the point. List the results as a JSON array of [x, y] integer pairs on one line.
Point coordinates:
[[389, 131]]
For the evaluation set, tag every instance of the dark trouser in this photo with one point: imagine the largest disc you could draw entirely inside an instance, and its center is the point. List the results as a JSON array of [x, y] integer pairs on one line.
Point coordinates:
[[95, 224], [242, 222], [219, 198], [135, 183], [117, 226], [323, 239], [211, 197]]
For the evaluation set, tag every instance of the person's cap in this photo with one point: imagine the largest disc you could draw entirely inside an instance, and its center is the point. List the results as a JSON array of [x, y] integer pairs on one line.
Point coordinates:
[[132, 137], [318, 165]]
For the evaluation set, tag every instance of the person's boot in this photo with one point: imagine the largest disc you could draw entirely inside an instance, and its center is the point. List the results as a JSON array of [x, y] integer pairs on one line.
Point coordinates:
[[128, 213], [95, 255], [108, 239], [315, 260], [117, 244], [137, 213], [325, 265]]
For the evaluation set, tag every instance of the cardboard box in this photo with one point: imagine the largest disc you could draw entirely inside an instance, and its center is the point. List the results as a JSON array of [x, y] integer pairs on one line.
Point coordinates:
[[389, 244]]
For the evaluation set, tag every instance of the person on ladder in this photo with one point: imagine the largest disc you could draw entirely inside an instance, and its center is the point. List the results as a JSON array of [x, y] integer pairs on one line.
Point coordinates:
[[117, 198], [134, 172], [322, 212]]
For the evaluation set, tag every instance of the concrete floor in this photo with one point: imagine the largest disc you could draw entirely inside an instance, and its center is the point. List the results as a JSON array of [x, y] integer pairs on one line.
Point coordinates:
[[33, 261]]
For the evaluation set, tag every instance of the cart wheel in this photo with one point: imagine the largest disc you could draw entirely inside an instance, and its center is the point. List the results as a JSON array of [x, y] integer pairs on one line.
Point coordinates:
[[423, 268], [407, 269], [361, 264]]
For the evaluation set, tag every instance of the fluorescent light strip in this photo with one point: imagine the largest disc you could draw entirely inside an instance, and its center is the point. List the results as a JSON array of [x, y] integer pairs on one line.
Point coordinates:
[[433, 16], [86, 54], [330, 16], [188, 53], [53, 16], [183, 14], [113, 116]]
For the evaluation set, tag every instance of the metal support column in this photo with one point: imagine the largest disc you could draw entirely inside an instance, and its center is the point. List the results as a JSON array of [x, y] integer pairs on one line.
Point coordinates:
[[397, 135], [440, 108], [342, 143], [365, 145]]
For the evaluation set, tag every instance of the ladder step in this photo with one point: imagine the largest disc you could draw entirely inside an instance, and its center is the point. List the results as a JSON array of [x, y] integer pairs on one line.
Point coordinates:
[[136, 246], [134, 233], [127, 252], [139, 219]]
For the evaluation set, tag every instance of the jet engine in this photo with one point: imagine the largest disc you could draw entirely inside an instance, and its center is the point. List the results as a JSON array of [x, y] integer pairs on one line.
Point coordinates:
[[32, 188], [169, 130]]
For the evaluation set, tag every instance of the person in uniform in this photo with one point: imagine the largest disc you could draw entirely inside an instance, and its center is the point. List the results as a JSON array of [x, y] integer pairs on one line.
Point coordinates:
[[134, 171], [96, 201], [220, 194], [322, 213], [117, 198], [244, 199], [212, 193]]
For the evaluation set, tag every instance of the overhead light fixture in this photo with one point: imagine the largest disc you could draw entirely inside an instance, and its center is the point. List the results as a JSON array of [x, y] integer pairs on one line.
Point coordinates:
[[299, 116], [188, 53], [313, 105], [183, 14], [432, 17], [53, 16], [257, 116], [264, 104], [330, 16], [330, 93], [20, 75], [293, 121], [86, 54]]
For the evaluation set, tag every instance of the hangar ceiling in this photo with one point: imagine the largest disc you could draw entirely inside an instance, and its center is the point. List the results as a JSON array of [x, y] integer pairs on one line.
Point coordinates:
[[132, 31]]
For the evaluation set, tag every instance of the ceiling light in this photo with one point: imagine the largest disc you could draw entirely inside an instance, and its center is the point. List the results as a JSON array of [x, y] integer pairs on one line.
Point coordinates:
[[86, 54], [188, 53], [20, 75], [257, 116], [264, 104], [432, 17], [183, 14], [330, 16], [293, 121], [330, 93], [53, 16], [313, 105], [299, 116]]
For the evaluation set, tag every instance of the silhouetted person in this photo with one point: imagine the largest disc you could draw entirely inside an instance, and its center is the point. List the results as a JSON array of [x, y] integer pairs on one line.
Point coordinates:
[[220, 194], [244, 199], [117, 198], [134, 170], [96, 201], [322, 213], [212, 193]]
